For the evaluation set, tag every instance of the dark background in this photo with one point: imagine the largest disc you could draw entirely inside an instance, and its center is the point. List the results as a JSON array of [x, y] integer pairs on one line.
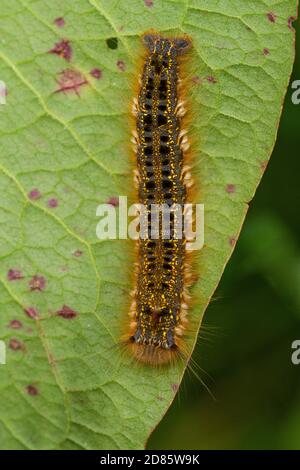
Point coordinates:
[[251, 323]]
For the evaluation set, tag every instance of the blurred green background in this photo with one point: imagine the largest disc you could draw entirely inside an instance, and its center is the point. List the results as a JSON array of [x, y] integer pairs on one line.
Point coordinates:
[[251, 323]]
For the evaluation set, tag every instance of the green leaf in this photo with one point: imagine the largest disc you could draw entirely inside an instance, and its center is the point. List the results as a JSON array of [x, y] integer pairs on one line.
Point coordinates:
[[65, 384]]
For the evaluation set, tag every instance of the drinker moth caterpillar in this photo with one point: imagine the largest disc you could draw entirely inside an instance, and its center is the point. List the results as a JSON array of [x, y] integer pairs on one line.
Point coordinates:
[[160, 298]]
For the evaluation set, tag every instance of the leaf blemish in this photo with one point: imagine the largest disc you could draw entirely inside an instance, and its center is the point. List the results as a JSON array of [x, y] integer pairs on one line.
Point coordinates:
[[232, 241], [174, 387], [15, 345], [52, 203], [271, 17], [196, 79], [121, 65], [59, 22], [32, 390], [15, 324], [14, 275], [96, 73], [37, 283], [63, 49], [112, 43], [148, 3], [211, 79], [266, 51], [230, 188], [78, 253], [290, 22], [264, 165], [70, 80], [114, 201], [34, 194], [31, 312], [67, 312]]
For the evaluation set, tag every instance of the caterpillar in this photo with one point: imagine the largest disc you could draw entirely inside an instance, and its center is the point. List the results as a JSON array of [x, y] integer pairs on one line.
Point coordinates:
[[158, 310]]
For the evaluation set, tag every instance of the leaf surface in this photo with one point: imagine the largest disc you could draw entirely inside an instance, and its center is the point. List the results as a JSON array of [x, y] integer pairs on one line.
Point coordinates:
[[64, 150]]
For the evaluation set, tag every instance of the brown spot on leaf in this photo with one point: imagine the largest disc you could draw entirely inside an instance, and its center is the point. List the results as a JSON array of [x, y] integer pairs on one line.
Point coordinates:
[[15, 324], [70, 80], [32, 312], [67, 312], [264, 165], [148, 3], [59, 22], [114, 201], [96, 73], [266, 51], [32, 390], [175, 387], [34, 194], [37, 283], [230, 188], [271, 17], [52, 203], [121, 65], [196, 79], [15, 344], [78, 253], [290, 22], [63, 49], [211, 79], [14, 275], [232, 241]]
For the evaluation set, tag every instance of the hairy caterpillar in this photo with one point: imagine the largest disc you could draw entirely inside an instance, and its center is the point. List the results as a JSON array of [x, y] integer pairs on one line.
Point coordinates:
[[160, 297]]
